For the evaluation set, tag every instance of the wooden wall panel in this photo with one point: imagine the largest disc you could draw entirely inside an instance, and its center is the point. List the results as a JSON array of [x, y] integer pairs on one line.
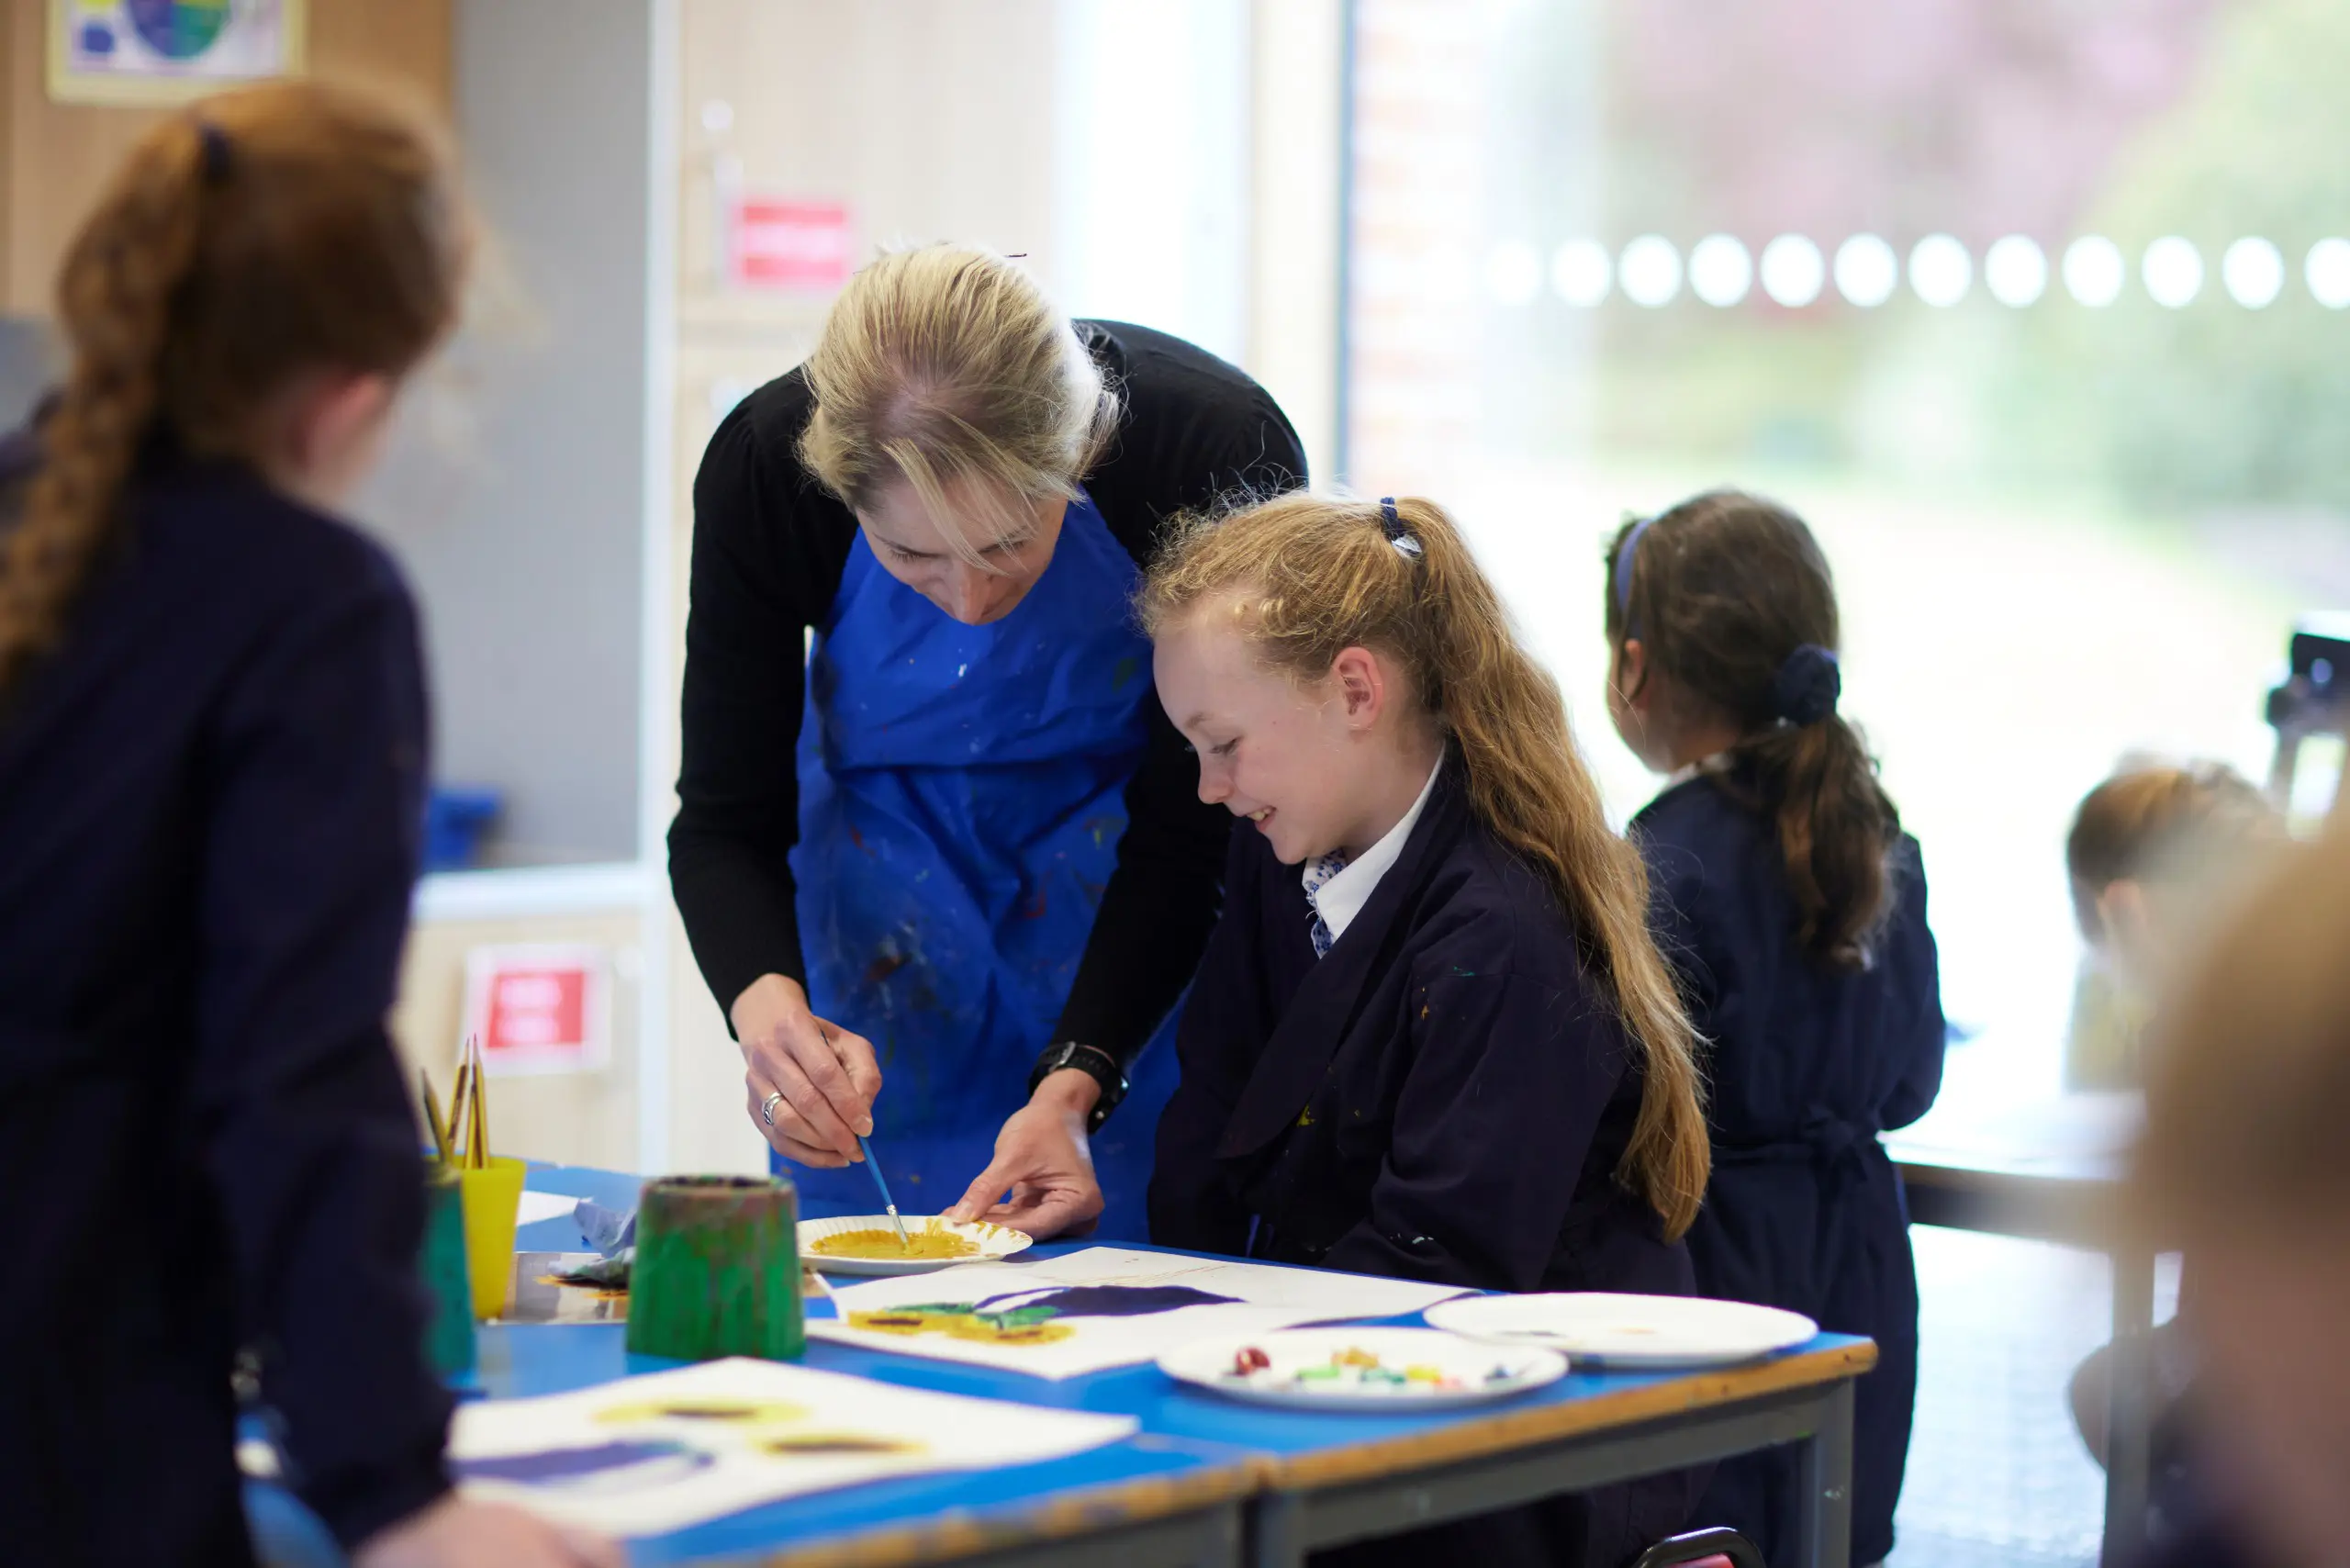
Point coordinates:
[[58, 154]]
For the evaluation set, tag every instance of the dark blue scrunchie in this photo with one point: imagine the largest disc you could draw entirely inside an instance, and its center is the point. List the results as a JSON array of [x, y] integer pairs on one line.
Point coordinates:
[[1805, 688]]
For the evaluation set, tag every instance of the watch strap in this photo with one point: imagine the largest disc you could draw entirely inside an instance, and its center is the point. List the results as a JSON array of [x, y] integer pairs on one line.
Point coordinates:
[[1096, 1064]]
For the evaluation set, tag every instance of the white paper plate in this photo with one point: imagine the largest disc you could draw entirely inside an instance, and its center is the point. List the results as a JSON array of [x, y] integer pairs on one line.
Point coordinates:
[[1628, 1330], [994, 1241], [1468, 1364]]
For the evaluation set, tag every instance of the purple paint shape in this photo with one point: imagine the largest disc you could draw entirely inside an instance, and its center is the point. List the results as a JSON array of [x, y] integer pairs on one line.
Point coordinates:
[[619, 1466]]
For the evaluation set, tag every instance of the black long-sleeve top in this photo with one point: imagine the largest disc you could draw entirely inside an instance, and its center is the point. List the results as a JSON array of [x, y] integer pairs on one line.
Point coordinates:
[[209, 813], [770, 549]]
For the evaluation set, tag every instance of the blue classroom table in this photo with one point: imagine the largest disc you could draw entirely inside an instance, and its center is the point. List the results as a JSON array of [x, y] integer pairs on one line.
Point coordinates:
[[1208, 1482]]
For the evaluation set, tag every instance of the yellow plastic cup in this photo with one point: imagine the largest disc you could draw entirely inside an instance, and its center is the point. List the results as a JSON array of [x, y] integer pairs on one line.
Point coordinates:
[[493, 1199]]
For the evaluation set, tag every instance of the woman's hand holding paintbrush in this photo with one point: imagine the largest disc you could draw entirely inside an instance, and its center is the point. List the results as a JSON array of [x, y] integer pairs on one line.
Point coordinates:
[[811, 1084]]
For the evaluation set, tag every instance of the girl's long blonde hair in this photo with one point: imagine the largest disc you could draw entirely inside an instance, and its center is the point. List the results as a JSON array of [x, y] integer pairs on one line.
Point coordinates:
[[258, 235], [1315, 576], [946, 368]]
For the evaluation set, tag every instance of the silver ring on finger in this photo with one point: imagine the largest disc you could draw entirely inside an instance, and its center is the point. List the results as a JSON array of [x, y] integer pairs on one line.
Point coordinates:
[[768, 1105]]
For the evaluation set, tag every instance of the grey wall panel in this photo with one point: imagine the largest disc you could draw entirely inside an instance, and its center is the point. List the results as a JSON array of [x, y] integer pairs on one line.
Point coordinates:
[[515, 493]]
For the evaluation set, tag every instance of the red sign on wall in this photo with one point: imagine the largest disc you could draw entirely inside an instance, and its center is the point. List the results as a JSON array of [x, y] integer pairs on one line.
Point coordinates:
[[540, 1007], [789, 244]]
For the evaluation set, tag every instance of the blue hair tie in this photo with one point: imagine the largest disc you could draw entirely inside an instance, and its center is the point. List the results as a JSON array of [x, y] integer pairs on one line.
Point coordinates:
[[1805, 688], [1631, 547], [1391, 522]]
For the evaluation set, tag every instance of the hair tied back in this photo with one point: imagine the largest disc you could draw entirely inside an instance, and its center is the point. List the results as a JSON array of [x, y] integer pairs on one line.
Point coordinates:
[[218, 156], [1805, 688], [1391, 522]]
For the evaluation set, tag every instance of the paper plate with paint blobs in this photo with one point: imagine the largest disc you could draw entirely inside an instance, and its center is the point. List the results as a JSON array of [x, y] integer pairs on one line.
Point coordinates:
[[868, 1244], [1362, 1369]]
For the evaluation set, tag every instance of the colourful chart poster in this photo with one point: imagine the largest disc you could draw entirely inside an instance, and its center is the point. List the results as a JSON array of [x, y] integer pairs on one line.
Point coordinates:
[[164, 51]]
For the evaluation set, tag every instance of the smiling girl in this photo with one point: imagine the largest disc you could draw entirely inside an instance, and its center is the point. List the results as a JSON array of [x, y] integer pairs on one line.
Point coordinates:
[[1430, 1036]]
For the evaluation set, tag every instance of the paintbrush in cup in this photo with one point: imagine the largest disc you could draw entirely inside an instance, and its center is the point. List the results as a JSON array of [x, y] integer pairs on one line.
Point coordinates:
[[432, 1118], [904, 1241], [481, 1105], [461, 1105]]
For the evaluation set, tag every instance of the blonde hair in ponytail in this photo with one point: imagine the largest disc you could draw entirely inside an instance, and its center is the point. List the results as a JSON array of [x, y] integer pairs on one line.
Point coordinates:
[[1317, 576], [946, 368], [260, 234]]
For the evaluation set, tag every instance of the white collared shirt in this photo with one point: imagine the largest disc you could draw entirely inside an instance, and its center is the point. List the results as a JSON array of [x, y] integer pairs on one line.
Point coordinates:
[[1341, 899]]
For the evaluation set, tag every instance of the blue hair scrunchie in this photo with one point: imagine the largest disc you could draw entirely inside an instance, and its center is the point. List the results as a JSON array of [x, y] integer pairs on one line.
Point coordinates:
[[1390, 523], [1805, 688]]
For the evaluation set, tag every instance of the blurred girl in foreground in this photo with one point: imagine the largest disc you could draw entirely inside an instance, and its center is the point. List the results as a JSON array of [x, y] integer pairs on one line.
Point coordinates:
[[212, 757]]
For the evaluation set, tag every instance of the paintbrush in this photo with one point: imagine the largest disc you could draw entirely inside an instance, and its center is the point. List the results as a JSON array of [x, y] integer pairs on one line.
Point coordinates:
[[481, 1105], [461, 1107], [904, 1242], [432, 1119]]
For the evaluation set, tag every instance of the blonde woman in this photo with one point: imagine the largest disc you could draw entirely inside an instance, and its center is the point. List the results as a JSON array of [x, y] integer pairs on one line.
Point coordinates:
[[946, 873]]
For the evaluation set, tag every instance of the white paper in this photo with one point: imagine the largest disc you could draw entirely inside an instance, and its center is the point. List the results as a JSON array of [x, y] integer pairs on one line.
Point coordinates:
[[537, 1207], [1129, 1306], [648, 1455]]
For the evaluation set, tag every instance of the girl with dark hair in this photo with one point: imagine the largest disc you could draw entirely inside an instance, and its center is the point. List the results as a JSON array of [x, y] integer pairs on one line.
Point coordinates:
[[1794, 908]]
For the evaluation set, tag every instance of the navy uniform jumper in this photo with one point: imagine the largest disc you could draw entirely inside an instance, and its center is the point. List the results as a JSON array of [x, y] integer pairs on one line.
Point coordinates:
[[1444, 1097], [1806, 1064], [210, 808]]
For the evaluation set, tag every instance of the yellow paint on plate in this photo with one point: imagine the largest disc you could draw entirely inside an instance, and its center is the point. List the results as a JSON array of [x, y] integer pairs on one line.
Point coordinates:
[[884, 1244]]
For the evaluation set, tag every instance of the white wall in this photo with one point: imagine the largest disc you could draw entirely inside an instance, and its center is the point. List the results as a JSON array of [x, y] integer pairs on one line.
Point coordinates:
[[1151, 166]]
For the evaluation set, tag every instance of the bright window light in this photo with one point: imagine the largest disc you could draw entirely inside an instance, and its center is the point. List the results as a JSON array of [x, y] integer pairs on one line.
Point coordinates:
[[1514, 273], [1651, 271], [1581, 271], [1793, 271], [1940, 270], [2173, 269], [2328, 272], [1721, 272], [2015, 271], [2254, 270], [1867, 271], [2094, 271]]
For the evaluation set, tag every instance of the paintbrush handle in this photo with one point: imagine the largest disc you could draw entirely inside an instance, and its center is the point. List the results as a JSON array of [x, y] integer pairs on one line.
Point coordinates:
[[438, 1128], [889, 1204]]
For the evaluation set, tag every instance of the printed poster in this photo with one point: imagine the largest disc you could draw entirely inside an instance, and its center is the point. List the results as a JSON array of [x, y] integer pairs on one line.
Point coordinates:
[[1106, 1306], [540, 1007], [168, 52], [648, 1455]]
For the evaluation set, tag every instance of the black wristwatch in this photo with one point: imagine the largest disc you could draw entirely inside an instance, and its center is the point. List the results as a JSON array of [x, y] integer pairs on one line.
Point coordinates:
[[1095, 1063]]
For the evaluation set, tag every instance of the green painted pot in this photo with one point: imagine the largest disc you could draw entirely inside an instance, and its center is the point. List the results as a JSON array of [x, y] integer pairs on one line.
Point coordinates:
[[717, 1270], [448, 1285]]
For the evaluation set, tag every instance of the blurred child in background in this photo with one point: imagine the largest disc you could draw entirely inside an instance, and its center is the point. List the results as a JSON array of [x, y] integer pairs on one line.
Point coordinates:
[[2157, 857], [2245, 1164], [1794, 908], [1431, 1036], [2143, 853], [212, 762]]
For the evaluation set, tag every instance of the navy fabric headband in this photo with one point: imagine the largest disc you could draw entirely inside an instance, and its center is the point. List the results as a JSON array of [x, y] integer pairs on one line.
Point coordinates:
[[1391, 522], [1624, 574]]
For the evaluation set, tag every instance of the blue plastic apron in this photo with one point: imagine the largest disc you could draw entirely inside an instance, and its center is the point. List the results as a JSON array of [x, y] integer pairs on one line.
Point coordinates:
[[962, 795]]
